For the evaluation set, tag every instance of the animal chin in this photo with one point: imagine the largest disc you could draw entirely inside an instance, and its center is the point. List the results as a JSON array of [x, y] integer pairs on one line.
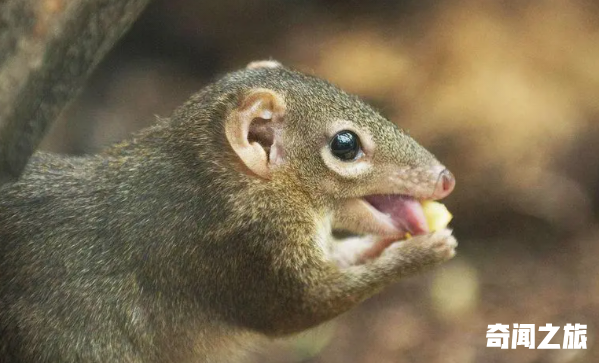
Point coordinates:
[[403, 212]]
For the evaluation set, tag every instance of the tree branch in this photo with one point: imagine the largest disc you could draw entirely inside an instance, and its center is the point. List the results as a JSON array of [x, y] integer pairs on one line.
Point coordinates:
[[48, 48]]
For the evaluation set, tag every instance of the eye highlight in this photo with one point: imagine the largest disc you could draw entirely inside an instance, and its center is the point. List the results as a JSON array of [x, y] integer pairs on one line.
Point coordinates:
[[345, 145]]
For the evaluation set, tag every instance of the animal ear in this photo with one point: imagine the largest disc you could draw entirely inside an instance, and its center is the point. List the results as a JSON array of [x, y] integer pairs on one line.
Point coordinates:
[[264, 64], [254, 130]]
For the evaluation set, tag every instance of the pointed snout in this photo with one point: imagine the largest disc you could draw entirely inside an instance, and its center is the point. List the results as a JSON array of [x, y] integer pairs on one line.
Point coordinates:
[[445, 184]]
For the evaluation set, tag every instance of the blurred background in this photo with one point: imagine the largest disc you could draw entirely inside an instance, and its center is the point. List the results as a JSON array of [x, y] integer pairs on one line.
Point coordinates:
[[504, 92]]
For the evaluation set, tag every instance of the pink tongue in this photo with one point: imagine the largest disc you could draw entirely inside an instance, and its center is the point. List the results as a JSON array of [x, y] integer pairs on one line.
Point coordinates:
[[406, 212]]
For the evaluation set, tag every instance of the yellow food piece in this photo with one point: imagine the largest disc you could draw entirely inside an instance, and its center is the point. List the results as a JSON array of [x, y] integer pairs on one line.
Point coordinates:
[[437, 215]]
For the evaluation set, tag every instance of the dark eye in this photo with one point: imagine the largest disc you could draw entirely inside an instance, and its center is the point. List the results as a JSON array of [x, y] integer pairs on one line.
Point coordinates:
[[345, 145]]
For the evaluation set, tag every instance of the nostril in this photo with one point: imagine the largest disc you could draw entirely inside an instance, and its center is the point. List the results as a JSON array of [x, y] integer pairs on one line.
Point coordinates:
[[445, 184], [448, 181]]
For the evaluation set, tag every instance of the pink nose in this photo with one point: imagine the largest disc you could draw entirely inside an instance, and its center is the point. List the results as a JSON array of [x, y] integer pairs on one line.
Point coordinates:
[[445, 185]]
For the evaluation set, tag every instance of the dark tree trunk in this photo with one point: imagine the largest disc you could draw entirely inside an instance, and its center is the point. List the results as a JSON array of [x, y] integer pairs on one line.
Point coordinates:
[[48, 48]]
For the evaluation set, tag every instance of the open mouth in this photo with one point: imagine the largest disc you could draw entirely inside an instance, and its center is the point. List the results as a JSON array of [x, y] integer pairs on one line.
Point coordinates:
[[403, 212], [373, 223], [397, 216]]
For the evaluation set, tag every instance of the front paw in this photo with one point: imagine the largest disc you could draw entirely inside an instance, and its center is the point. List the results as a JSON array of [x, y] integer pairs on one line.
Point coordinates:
[[419, 253], [441, 244]]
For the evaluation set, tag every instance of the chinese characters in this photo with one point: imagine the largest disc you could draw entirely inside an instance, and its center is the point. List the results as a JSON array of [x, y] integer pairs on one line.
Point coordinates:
[[498, 336]]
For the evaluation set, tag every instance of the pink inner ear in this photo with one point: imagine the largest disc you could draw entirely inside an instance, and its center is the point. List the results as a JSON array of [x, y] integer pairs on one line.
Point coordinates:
[[268, 135], [262, 132]]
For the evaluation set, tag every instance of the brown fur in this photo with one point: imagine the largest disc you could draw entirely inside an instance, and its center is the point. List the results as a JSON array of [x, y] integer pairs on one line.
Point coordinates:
[[166, 249]]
